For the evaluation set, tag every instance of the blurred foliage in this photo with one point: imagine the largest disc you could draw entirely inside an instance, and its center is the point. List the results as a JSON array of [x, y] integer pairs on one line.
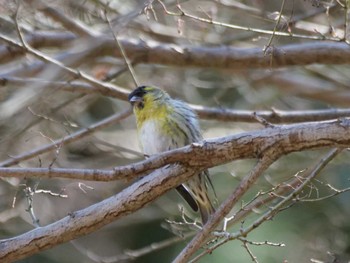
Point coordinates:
[[33, 116]]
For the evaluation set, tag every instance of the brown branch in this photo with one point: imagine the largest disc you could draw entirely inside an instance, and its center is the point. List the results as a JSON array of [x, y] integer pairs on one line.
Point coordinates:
[[221, 57], [68, 23], [68, 139], [273, 116], [268, 158], [38, 39], [263, 199], [94, 217], [48, 39], [122, 93], [269, 142], [74, 86], [326, 91], [129, 254], [272, 36], [272, 211], [283, 140], [229, 57], [312, 174], [183, 13], [122, 51], [207, 113]]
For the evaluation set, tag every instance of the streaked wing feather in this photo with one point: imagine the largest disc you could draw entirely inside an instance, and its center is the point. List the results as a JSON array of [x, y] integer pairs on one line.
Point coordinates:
[[188, 197]]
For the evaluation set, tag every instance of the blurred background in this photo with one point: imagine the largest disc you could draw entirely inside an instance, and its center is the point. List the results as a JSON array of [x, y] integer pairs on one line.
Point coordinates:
[[40, 104]]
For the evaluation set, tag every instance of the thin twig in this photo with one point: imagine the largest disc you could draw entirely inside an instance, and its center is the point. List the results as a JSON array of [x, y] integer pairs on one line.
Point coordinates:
[[126, 59], [347, 18], [256, 30], [129, 254], [208, 113], [123, 93], [226, 207], [29, 192], [268, 243], [313, 173], [243, 232], [68, 139], [68, 23], [245, 245], [94, 217], [267, 46]]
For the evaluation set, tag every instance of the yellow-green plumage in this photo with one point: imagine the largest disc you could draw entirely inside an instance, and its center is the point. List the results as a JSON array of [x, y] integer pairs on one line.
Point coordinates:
[[163, 124]]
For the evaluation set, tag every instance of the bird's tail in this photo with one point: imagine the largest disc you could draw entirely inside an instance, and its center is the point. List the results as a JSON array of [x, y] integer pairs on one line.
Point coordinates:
[[206, 209], [195, 192]]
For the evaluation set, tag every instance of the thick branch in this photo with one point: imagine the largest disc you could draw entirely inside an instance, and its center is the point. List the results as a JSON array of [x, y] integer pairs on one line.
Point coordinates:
[[224, 57], [94, 217], [274, 141], [229, 57], [39, 39], [282, 140]]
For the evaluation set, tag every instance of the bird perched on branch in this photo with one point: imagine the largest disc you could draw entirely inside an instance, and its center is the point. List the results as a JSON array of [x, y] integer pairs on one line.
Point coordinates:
[[164, 124]]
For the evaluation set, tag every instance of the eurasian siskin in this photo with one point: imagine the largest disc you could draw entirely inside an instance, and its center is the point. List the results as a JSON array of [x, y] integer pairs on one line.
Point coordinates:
[[164, 124]]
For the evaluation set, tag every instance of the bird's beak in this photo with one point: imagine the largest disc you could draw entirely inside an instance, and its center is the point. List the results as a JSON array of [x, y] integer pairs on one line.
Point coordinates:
[[135, 99]]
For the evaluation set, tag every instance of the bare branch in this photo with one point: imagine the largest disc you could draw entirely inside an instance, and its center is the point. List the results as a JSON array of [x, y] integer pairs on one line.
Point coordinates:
[[122, 51], [207, 113], [273, 116], [267, 47], [73, 137], [37, 39], [73, 72], [269, 143], [311, 175], [245, 245], [94, 217], [68, 23], [134, 254], [74, 86], [80, 54], [226, 207], [282, 139], [276, 208], [183, 13], [222, 57], [29, 192]]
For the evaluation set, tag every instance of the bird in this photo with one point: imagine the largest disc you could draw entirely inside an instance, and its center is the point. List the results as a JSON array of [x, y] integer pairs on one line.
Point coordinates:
[[164, 124]]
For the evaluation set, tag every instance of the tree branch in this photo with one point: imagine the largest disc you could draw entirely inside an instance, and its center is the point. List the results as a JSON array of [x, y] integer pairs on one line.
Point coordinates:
[[268, 143], [68, 139], [221, 57], [68, 23], [72, 72], [282, 140], [90, 219], [207, 113], [226, 206], [38, 39], [273, 116], [272, 211]]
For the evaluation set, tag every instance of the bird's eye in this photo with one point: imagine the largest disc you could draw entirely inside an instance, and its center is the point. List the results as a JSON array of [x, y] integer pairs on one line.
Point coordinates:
[[136, 101], [139, 104]]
